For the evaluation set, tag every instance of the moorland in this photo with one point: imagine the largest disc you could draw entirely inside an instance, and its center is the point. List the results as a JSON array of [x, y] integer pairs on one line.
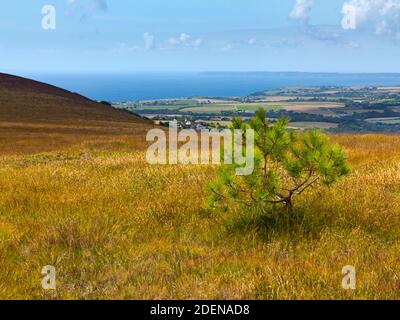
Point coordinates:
[[77, 192]]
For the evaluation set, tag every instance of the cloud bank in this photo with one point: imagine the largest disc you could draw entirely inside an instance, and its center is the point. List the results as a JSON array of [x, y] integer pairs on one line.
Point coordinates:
[[86, 7], [381, 16], [301, 10], [185, 40]]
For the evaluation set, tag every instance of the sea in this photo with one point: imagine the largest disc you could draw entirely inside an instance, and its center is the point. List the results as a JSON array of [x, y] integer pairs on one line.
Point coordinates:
[[120, 87]]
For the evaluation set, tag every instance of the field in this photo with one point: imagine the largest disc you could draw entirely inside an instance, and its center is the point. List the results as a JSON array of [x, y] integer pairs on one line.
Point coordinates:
[[309, 125], [116, 227], [306, 107], [202, 105], [293, 125], [218, 108], [388, 120]]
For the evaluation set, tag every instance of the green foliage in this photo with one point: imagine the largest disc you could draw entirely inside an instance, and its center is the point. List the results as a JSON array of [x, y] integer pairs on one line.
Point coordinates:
[[286, 165]]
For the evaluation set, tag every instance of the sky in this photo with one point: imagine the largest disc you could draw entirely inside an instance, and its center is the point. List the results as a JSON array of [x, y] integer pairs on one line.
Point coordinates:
[[199, 35]]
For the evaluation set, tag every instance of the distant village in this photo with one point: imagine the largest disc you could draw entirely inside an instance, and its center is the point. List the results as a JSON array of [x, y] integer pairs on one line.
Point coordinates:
[[189, 122]]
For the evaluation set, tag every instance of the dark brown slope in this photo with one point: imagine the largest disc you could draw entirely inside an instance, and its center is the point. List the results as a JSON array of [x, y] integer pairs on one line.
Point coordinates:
[[12, 82], [27, 100], [37, 114]]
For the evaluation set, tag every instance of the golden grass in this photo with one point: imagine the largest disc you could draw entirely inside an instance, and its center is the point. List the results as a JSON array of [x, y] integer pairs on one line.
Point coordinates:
[[35, 117], [118, 228], [34, 137]]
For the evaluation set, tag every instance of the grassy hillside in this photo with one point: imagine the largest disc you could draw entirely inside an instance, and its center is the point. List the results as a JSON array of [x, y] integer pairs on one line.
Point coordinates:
[[38, 117], [76, 192], [116, 227]]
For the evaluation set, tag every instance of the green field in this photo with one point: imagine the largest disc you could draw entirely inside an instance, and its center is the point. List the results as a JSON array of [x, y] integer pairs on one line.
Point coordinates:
[[218, 108], [193, 106]]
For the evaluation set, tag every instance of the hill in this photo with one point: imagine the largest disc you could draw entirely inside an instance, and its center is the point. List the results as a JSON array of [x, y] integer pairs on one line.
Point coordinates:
[[35, 117], [116, 227]]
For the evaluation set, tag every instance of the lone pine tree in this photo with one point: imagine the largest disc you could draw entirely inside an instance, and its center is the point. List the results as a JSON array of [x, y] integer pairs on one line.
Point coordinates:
[[286, 165]]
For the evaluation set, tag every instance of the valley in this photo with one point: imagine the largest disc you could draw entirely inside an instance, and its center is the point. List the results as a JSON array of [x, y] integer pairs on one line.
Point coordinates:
[[339, 109]]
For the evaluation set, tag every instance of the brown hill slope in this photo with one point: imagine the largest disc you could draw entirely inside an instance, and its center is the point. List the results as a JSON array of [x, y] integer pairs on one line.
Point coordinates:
[[35, 117]]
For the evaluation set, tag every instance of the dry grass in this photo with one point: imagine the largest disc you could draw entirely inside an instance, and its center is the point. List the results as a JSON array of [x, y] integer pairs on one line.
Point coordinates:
[[33, 137], [116, 227], [36, 117]]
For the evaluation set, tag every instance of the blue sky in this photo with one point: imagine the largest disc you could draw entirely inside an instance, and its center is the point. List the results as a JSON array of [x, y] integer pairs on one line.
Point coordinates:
[[200, 35]]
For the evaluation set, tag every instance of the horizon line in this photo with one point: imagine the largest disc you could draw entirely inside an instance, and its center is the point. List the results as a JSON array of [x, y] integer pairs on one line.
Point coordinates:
[[198, 72]]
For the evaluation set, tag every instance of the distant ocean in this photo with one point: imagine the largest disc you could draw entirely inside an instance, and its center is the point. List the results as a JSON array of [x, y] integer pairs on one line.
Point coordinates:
[[143, 86]]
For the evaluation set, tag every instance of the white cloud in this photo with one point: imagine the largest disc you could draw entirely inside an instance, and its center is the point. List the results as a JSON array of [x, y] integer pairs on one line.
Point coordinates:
[[184, 37], [252, 42], [301, 10], [197, 43], [148, 40], [89, 4], [185, 40], [85, 8], [381, 16]]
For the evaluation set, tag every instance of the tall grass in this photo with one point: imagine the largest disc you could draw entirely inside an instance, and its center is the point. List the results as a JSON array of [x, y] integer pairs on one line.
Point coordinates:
[[118, 228]]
